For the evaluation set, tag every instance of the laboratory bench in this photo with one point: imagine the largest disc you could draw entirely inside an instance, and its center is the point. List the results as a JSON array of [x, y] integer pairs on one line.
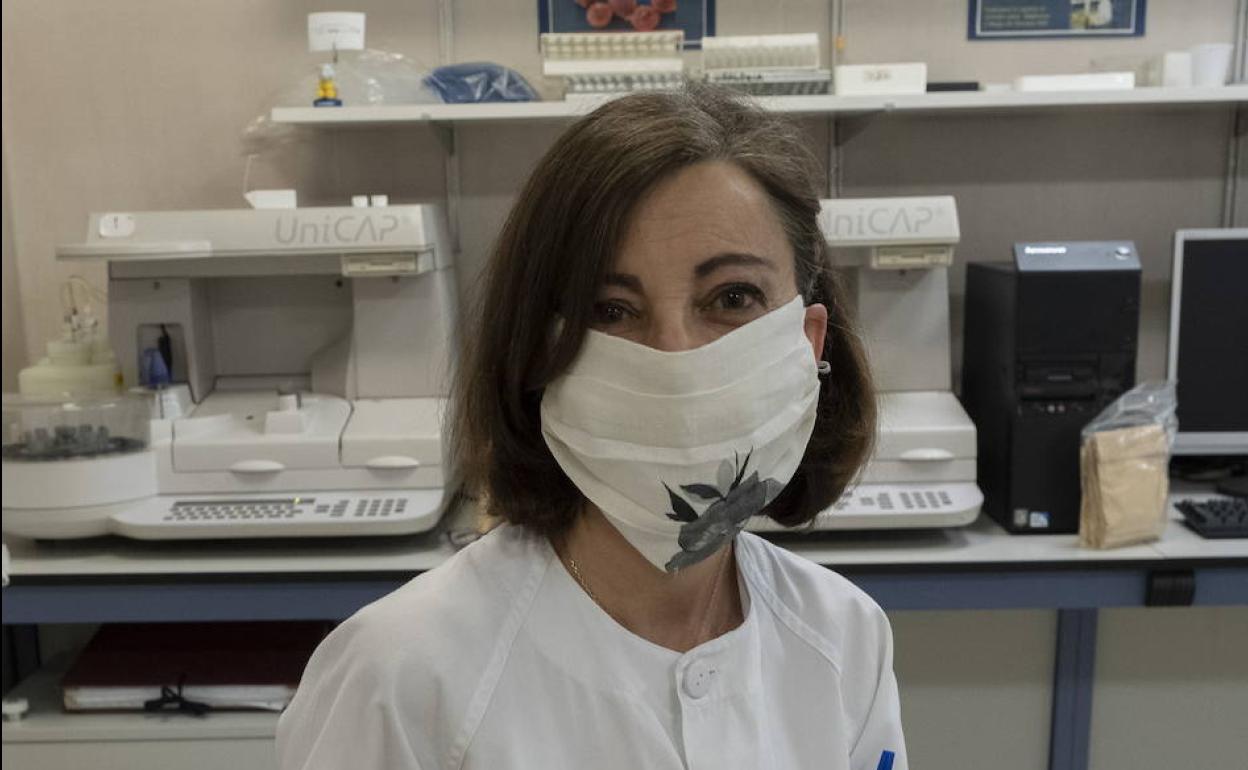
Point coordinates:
[[976, 567], [981, 566]]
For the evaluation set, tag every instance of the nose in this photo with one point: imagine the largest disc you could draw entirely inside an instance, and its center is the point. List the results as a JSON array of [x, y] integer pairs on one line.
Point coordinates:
[[671, 332]]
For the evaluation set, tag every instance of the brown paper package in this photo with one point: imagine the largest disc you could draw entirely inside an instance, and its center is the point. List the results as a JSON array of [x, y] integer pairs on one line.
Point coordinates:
[[1124, 478]]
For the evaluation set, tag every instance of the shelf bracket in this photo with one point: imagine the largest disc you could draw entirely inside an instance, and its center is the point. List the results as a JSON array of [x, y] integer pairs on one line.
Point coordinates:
[[445, 133], [850, 126]]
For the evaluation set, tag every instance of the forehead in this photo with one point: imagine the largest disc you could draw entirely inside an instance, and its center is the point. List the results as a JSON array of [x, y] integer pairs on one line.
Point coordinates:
[[698, 212]]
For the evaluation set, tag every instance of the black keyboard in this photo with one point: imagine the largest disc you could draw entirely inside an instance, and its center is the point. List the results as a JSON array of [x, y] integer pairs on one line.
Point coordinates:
[[1216, 517]]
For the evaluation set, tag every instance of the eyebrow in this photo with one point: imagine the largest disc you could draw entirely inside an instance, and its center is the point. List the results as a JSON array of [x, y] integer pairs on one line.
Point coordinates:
[[709, 266], [624, 281], [703, 269]]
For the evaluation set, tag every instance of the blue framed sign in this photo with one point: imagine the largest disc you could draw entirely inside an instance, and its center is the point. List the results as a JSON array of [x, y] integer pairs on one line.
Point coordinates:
[[695, 17], [1013, 19]]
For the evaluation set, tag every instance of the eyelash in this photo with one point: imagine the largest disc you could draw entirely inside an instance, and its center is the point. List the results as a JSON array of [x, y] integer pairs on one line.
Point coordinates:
[[600, 309], [751, 291]]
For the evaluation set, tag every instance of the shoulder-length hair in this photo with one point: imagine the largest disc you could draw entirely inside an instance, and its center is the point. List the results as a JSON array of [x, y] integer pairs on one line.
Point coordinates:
[[550, 259]]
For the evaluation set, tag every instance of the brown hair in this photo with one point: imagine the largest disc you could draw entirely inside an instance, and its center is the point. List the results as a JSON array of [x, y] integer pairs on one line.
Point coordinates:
[[550, 259]]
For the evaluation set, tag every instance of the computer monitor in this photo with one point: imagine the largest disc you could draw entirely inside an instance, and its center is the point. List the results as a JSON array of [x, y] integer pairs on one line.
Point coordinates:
[[1208, 356]]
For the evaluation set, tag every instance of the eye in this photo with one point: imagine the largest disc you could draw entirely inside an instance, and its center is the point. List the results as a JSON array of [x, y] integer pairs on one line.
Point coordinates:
[[738, 298], [734, 299], [609, 312]]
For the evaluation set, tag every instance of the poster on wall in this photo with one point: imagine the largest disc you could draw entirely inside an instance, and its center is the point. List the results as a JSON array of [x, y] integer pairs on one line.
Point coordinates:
[[1013, 19], [695, 17]]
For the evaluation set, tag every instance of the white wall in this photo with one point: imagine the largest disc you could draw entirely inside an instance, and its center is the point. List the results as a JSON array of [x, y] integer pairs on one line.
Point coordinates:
[[1136, 175], [975, 688], [1171, 689], [140, 105], [934, 31], [14, 347]]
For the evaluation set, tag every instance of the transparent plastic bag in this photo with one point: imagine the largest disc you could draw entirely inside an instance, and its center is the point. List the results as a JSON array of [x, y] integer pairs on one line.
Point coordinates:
[[379, 77], [1124, 465], [480, 82], [371, 77], [1149, 403]]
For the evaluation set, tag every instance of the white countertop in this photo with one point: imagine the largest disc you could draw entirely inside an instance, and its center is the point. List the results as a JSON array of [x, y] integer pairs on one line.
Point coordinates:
[[980, 543], [116, 556]]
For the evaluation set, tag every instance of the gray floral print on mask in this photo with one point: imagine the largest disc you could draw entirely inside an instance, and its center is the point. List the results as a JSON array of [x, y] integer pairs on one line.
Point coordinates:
[[733, 499]]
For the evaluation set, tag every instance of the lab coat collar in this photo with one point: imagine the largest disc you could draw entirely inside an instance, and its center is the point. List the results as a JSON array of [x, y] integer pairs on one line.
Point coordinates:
[[582, 639]]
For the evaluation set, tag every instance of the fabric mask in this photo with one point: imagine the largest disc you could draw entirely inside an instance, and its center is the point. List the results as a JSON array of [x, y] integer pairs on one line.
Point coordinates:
[[680, 449]]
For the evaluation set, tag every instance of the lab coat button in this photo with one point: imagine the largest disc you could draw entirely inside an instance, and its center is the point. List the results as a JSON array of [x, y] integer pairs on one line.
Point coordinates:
[[697, 680]]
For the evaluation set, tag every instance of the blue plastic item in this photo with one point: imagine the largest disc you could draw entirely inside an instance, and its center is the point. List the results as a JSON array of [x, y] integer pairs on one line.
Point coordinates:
[[479, 82], [153, 372]]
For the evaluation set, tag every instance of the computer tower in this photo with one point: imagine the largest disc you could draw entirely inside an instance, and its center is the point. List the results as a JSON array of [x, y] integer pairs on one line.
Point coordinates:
[[1049, 340]]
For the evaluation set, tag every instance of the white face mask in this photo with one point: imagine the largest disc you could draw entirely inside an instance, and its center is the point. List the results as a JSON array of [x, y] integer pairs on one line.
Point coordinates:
[[679, 450]]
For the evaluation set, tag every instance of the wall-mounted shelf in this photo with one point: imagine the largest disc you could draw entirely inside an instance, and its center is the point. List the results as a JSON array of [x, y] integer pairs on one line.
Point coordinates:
[[957, 101]]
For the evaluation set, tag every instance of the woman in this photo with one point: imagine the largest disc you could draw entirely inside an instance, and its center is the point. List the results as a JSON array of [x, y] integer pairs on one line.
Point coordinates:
[[661, 352]]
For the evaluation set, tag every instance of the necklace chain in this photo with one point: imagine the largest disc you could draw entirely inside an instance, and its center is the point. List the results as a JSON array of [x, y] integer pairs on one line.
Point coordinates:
[[703, 631], [575, 569]]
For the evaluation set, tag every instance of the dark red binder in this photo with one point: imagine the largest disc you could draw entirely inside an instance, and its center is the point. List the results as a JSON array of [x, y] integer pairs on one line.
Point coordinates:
[[225, 665]]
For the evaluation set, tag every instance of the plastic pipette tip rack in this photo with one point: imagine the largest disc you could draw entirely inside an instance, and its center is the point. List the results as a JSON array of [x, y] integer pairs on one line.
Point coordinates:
[[597, 63], [773, 65], [747, 52], [561, 46]]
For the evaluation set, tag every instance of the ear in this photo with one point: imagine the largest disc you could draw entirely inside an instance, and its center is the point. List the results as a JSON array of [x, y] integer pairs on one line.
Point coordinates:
[[816, 328]]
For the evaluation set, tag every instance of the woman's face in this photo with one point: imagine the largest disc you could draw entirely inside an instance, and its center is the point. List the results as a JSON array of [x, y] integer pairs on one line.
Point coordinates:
[[704, 254]]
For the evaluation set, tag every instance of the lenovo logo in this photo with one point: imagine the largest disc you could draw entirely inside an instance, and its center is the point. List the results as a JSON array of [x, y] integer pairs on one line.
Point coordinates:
[[1044, 249]]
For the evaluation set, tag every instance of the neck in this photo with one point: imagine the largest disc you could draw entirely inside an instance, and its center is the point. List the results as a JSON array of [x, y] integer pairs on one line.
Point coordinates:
[[675, 610]]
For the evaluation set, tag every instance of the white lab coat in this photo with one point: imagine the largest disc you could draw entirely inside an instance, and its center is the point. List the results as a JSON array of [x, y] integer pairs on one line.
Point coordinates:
[[498, 660]]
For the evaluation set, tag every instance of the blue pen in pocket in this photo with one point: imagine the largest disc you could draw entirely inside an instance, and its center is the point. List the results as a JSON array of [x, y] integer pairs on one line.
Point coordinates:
[[886, 761]]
